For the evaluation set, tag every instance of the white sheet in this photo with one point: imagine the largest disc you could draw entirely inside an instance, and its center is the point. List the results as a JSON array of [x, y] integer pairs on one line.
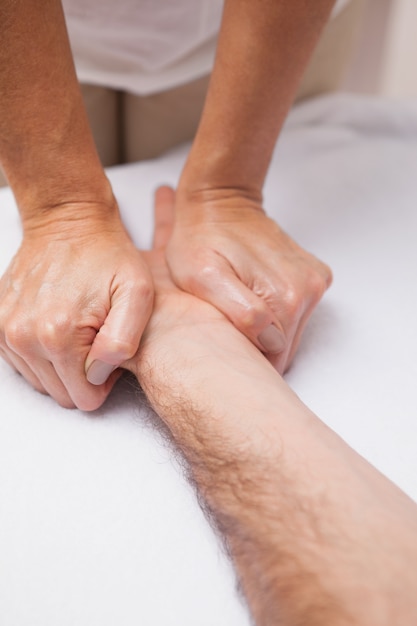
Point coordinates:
[[97, 523]]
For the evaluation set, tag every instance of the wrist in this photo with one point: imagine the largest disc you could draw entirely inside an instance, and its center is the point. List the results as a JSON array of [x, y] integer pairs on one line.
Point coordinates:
[[218, 180], [206, 194], [183, 374], [201, 196], [84, 214], [44, 195]]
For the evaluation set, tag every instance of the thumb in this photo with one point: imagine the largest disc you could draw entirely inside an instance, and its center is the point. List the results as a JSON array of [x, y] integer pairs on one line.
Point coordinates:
[[164, 216], [219, 285], [118, 339]]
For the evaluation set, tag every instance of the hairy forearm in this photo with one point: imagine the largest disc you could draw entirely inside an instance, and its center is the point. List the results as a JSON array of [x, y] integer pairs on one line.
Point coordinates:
[[46, 148], [302, 514], [262, 52]]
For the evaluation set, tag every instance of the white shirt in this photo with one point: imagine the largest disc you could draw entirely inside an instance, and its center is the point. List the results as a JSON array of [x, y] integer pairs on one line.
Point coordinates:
[[144, 46]]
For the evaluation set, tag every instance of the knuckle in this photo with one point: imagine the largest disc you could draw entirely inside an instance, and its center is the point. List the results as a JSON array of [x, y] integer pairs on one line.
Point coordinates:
[[136, 292], [252, 317], [206, 276], [205, 272], [145, 290], [52, 334], [293, 301], [16, 335], [208, 272], [113, 348], [318, 284], [324, 273], [121, 349]]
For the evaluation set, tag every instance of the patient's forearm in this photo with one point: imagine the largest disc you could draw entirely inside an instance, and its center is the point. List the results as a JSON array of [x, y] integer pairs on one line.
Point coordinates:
[[317, 535]]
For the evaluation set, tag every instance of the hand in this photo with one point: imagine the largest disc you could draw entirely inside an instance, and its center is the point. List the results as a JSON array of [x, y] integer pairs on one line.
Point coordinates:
[[188, 339], [225, 250], [75, 299]]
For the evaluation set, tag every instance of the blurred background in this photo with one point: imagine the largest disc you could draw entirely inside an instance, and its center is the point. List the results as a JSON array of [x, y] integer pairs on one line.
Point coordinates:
[[369, 48], [385, 55]]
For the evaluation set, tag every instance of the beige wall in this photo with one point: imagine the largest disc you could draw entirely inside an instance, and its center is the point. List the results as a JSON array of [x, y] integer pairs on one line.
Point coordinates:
[[399, 75], [385, 60]]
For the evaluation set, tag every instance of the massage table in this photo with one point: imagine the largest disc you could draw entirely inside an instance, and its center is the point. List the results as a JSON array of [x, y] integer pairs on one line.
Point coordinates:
[[98, 524]]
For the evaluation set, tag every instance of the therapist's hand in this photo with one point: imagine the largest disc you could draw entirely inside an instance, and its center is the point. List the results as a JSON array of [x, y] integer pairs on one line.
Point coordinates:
[[225, 250], [75, 299]]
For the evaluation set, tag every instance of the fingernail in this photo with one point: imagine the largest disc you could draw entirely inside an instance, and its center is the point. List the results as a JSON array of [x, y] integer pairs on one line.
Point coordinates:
[[272, 340], [98, 372]]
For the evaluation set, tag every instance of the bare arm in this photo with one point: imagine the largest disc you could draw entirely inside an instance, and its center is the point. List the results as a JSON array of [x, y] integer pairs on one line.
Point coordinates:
[[241, 261], [46, 147], [263, 49], [76, 281], [317, 535]]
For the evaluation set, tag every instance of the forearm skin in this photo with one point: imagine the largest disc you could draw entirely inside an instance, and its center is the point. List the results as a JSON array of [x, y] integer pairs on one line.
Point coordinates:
[[46, 147], [263, 49], [302, 514]]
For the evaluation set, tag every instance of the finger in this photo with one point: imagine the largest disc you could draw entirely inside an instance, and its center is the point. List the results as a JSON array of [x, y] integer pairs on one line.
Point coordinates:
[[51, 382], [32, 366], [295, 330], [282, 361], [118, 339], [40, 373], [164, 216], [297, 338], [18, 364], [84, 395], [56, 347], [53, 343], [219, 285]]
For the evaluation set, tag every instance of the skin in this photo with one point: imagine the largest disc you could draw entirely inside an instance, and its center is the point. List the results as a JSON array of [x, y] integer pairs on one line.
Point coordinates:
[[70, 325], [317, 535], [224, 248], [85, 273]]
